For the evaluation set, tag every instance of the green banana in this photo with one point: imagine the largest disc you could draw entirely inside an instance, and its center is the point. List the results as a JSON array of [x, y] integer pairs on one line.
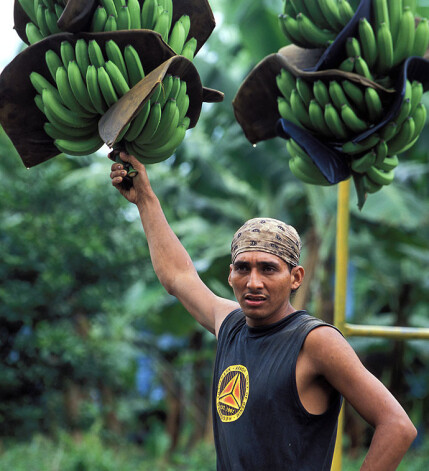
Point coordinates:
[[40, 83], [175, 87], [67, 53], [355, 94], [421, 38], [286, 112], [95, 54], [39, 102], [373, 104], [394, 8], [165, 151], [135, 14], [149, 14], [41, 20], [106, 87], [53, 61], [353, 47], [403, 137], [389, 130], [381, 151], [368, 42], [315, 13], [186, 22], [321, 93], [286, 82], [80, 146], [370, 186], [302, 166], [419, 116], [380, 176], [56, 130], [133, 64], [99, 20], [166, 86], [381, 13], [167, 125], [304, 90], [347, 65], [162, 25], [110, 7], [118, 80], [68, 98], [389, 163], [345, 10], [300, 110], [404, 112], [78, 87], [138, 123], [405, 41], [189, 48], [362, 68], [290, 28], [56, 112], [177, 37], [317, 118], [354, 148], [416, 95], [111, 24], [114, 53], [315, 36], [51, 21], [182, 100], [124, 18], [332, 14], [33, 33], [385, 48], [335, 123], [337, 95], [351, 120], [82, 56], [363, 163], [151, 125], [94, 91]]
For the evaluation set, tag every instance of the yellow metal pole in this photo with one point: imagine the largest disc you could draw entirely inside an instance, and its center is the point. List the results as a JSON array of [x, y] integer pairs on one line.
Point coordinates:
[[341, 264]]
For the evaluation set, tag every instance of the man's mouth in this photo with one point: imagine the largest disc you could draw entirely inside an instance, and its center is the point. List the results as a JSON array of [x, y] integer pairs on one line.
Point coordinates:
[[254, 299]]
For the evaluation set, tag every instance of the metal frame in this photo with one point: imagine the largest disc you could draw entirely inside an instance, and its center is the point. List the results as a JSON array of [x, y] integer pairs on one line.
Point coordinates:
[[350, 330]]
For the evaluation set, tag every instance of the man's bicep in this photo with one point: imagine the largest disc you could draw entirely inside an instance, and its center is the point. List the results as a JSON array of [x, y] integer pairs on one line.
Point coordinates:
[[205, 307], [338, 363]]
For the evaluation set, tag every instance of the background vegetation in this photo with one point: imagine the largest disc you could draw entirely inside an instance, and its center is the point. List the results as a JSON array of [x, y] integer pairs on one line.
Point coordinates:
[[102, 370]]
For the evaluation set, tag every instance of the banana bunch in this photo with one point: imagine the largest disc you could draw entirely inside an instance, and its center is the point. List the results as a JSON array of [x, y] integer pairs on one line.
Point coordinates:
[[391, 37], [44, 15], [156, 15], [88, 83], [340, 110], [333, 111], [314, 23], [374, 159]]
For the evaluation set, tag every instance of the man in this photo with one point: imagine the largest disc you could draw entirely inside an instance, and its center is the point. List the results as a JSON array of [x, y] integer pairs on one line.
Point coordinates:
[[279, 374]]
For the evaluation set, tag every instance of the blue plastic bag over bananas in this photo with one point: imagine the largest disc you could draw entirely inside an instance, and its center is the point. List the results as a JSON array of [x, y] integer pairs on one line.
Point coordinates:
[[354, 123], [60, 87]]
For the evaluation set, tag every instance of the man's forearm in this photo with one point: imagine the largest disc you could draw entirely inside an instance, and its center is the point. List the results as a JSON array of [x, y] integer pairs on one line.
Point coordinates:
[[388, 446], [169, 257]]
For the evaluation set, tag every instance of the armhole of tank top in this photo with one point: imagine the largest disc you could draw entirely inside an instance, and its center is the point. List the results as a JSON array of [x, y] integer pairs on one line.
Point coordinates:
[[298, 402], [224, 322]]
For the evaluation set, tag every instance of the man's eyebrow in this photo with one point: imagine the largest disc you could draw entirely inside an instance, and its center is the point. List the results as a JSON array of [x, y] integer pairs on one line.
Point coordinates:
[[240, 264]]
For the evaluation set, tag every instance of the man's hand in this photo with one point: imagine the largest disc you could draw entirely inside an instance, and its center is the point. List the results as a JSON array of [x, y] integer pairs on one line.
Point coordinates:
[[141, 185]]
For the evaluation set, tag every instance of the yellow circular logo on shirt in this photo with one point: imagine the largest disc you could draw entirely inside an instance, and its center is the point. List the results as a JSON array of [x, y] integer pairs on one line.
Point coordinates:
[[232, 393]]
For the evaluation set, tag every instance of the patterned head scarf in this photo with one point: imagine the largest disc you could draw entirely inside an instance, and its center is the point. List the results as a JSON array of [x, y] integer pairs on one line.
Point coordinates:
[[267, 235]]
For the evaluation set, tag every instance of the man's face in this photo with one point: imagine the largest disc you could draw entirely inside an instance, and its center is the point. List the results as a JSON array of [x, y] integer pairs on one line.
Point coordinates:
[[262, 284]]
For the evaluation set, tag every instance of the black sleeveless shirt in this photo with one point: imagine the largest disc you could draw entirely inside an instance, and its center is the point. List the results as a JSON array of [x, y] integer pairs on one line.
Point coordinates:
[[258, 419]]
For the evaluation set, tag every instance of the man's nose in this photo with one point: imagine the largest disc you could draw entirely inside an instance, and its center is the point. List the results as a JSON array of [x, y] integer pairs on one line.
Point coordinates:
[[255, 280]]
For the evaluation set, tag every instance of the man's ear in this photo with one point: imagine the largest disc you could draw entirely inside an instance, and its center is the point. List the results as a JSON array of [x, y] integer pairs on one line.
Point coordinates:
[[229, 276], [297, 276]]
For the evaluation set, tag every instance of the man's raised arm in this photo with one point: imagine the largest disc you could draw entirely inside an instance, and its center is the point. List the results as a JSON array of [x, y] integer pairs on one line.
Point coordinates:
[[171, 262]]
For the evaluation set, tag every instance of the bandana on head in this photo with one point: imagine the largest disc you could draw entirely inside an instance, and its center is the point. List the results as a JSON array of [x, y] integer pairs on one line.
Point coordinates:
[[267, 235]]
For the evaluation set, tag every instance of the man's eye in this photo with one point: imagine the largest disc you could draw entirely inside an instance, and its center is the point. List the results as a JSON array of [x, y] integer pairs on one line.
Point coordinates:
[[269, 269]]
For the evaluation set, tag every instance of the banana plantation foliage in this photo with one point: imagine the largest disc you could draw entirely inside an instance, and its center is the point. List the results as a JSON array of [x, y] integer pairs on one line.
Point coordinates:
[[89, 338]]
